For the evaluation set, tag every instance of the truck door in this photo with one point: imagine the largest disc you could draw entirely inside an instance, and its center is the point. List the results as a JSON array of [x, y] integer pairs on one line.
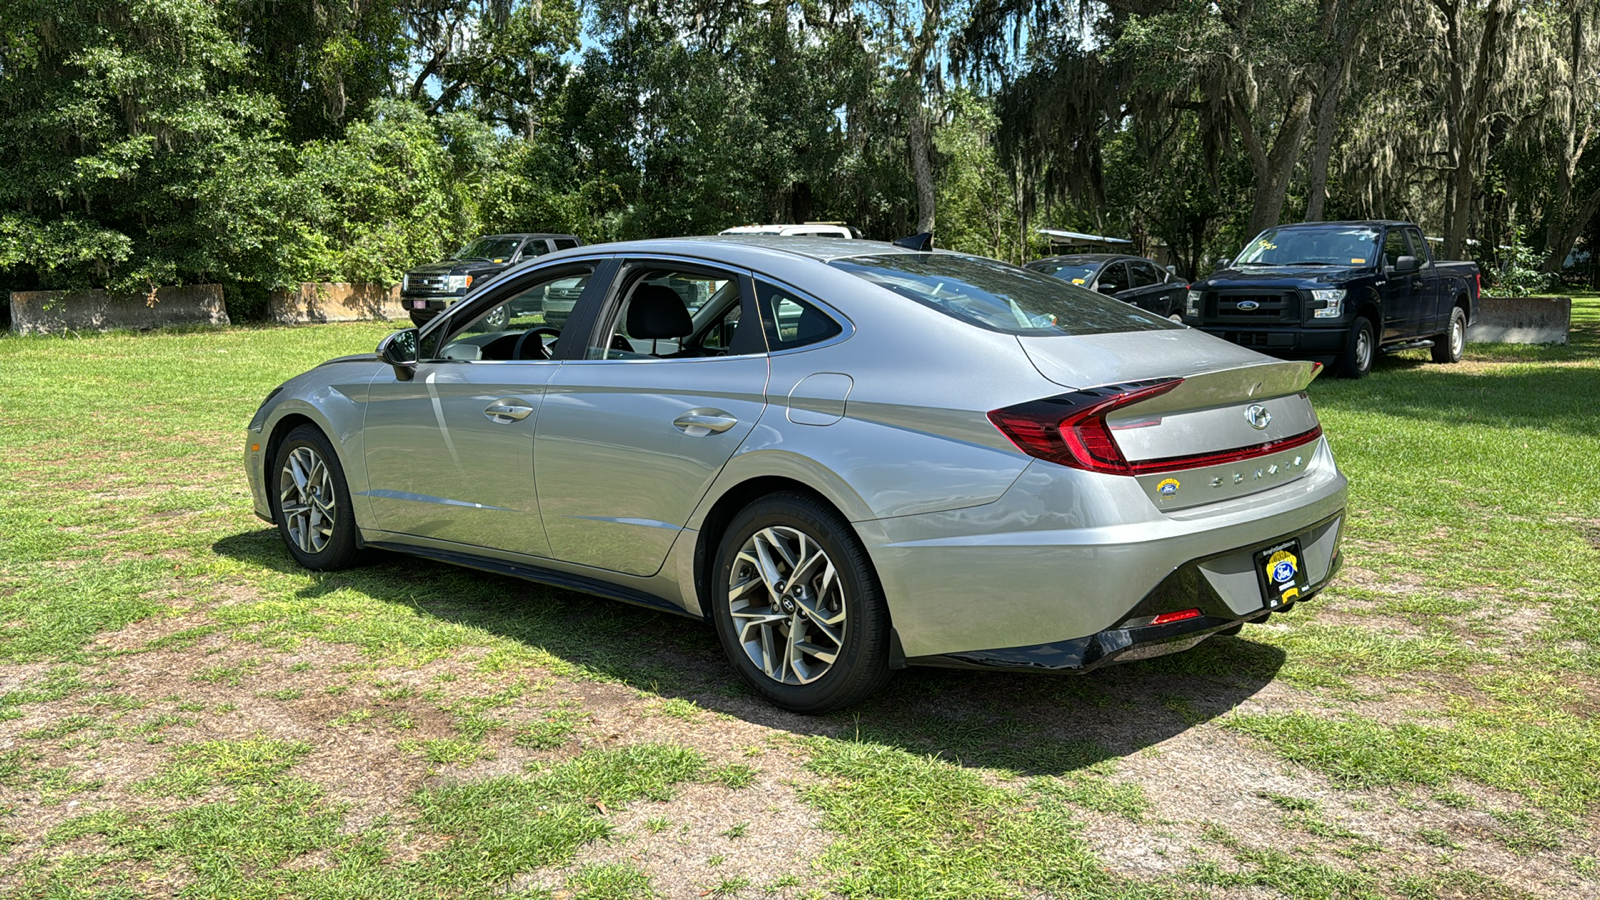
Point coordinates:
[[1434, 302], [1399, 289]]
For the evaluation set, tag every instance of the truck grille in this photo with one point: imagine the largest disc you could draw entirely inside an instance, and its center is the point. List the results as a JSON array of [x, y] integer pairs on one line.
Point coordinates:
[[425, 284], [1253, 307]]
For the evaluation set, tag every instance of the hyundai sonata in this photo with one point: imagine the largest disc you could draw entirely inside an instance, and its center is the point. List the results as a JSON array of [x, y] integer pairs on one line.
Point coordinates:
[[847, 456]]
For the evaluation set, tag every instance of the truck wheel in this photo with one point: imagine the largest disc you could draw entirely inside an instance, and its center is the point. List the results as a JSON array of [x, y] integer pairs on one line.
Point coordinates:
[[1447, 347], [1356, 360]]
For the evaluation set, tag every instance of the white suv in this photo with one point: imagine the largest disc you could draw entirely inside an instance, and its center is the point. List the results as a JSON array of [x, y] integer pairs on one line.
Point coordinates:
[[809, 229]]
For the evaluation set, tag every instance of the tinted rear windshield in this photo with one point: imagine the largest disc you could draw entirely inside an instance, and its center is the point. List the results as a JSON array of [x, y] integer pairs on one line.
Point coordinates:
[[1000, 297]]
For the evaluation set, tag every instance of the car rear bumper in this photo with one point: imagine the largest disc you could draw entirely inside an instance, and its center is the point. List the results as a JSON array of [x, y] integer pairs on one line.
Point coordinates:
[[1065, 555], [1185, 587]]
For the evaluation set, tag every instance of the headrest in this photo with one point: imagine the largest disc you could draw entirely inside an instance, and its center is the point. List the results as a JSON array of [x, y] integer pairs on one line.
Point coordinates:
[[656, 312]]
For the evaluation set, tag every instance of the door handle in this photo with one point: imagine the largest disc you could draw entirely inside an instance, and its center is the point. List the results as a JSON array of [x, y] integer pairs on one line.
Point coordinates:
[[701, 422], [507, 411]]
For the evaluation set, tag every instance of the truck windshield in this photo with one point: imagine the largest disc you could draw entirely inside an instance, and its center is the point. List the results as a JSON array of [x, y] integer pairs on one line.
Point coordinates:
[[1348, 245], [494, 249]]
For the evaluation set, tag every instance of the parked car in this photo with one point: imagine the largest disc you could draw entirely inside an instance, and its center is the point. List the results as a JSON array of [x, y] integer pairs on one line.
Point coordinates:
[[428, 290], [848, 457], [1341, 291], [1131, 279], [805, 229]]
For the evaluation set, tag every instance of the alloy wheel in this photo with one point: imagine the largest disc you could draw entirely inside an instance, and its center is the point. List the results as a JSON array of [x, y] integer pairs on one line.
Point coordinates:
[[788, 605], [1363, 350], [1458, 337], [306, 500]]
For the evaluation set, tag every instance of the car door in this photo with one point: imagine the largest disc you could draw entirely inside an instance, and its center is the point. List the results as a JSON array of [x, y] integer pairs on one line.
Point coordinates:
[[1148, 289], [1398, 289], [450, 451], [632, 434]]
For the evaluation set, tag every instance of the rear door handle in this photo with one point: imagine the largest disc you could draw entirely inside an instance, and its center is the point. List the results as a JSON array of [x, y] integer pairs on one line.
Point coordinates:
[[701, 422], [507, 410]]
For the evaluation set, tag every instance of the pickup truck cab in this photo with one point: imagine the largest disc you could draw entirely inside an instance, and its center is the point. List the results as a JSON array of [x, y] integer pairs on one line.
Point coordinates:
[[1341, 291], [428, 290]]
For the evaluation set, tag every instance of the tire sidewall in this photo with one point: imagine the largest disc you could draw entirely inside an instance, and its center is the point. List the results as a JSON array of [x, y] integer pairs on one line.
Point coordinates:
[[1352, 366], [863, 660], [341, 547]]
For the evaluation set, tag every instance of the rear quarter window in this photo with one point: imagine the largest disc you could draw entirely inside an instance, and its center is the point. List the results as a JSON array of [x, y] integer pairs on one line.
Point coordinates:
[[999, 297]]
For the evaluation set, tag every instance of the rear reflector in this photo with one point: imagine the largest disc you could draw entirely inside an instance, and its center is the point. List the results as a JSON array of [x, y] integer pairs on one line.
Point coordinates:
[[1071, 430], [1164, 618]]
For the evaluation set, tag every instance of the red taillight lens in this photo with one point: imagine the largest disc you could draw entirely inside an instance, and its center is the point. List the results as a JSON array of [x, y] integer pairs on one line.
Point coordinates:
[[1071, 429], [1164, 618]]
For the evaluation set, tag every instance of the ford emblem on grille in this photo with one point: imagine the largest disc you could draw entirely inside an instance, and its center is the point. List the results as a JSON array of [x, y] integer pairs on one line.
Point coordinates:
[[1249, 305], [1257, 416]]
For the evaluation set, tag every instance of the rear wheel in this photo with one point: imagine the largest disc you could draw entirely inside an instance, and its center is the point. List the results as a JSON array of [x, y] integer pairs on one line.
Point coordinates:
[[1447, 347], [311, 502], [798, 607], [1359, 349]]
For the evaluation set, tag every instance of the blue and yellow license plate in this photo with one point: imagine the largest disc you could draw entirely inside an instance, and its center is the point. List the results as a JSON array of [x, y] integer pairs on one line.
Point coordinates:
[[1281, 569]]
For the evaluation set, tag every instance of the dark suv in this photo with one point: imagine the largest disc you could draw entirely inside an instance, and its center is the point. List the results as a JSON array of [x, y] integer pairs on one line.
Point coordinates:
[[428, 290]]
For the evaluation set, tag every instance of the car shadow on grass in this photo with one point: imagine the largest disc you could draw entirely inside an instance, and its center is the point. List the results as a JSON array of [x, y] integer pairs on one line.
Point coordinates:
[[1027, 723]]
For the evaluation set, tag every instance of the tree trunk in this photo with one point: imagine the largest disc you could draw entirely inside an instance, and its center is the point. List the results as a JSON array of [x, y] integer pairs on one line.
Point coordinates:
[[1564, 227], [917, 126], [1327, 124], [1274, 168], [1467, 109]]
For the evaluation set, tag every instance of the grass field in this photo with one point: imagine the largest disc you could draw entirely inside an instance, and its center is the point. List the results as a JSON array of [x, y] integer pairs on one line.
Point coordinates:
[[183, 710]]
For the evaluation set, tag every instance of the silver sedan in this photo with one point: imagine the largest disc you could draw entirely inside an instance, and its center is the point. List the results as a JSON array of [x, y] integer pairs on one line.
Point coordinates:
[[848, 456]]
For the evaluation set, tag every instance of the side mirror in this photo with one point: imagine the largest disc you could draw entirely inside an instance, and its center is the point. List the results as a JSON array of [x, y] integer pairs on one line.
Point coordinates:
[[1221, 262], [400, 350], [1172, 270], [1407, 264]]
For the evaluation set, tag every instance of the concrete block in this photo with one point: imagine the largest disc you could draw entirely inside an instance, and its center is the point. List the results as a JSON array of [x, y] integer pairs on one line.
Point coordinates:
[[335, 301], [1521, 320], [57, 312]]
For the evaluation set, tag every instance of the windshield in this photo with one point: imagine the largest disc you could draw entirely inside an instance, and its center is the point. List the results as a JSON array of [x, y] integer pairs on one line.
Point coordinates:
[[493, 249], [1077, 273], [1350, 245], [999, 297]]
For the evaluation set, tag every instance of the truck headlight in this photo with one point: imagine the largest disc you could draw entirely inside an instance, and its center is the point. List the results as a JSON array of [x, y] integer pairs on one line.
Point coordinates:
[[459, 282], [1191, 305], [1334, 297], [405, 282]]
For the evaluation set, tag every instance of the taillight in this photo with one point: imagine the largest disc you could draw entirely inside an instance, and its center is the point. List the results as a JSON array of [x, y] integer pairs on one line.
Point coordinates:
[[1071, 430]]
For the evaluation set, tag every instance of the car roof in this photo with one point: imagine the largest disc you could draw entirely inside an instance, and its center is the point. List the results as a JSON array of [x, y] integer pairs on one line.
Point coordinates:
[[1074, 258], [1365, 223]]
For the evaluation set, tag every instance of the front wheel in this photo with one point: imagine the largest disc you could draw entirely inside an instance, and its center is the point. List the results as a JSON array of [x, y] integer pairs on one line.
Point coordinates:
[[1359, 349], [1447, 347], [311, 502], [798, 607]]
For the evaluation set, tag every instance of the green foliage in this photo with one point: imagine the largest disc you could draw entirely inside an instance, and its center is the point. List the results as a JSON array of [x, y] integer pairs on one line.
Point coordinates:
[[1519, 275]]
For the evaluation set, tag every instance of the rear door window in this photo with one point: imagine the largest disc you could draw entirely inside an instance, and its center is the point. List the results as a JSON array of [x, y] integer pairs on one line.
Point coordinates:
[[995, 296]]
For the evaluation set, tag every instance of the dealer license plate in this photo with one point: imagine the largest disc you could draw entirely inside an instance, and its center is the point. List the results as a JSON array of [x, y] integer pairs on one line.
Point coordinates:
[[1281, 569]]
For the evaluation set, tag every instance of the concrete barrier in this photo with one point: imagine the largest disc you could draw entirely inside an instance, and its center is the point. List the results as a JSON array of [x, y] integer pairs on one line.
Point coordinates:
[[1521, 320], [335, 301], [57, 312]]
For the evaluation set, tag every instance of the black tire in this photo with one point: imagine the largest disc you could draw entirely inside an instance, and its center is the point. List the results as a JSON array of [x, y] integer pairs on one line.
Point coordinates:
[[859, 640], [320, 534], [421, 317], [1360, 349], [1447, 347]]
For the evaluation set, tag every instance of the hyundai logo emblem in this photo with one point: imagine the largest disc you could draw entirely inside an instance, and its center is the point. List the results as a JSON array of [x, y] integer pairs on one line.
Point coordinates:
[[1249, 305], [1257, 416]]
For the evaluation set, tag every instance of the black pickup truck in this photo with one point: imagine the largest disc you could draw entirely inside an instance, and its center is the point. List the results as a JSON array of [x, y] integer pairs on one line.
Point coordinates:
[[428, 290], [1339, 291]]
